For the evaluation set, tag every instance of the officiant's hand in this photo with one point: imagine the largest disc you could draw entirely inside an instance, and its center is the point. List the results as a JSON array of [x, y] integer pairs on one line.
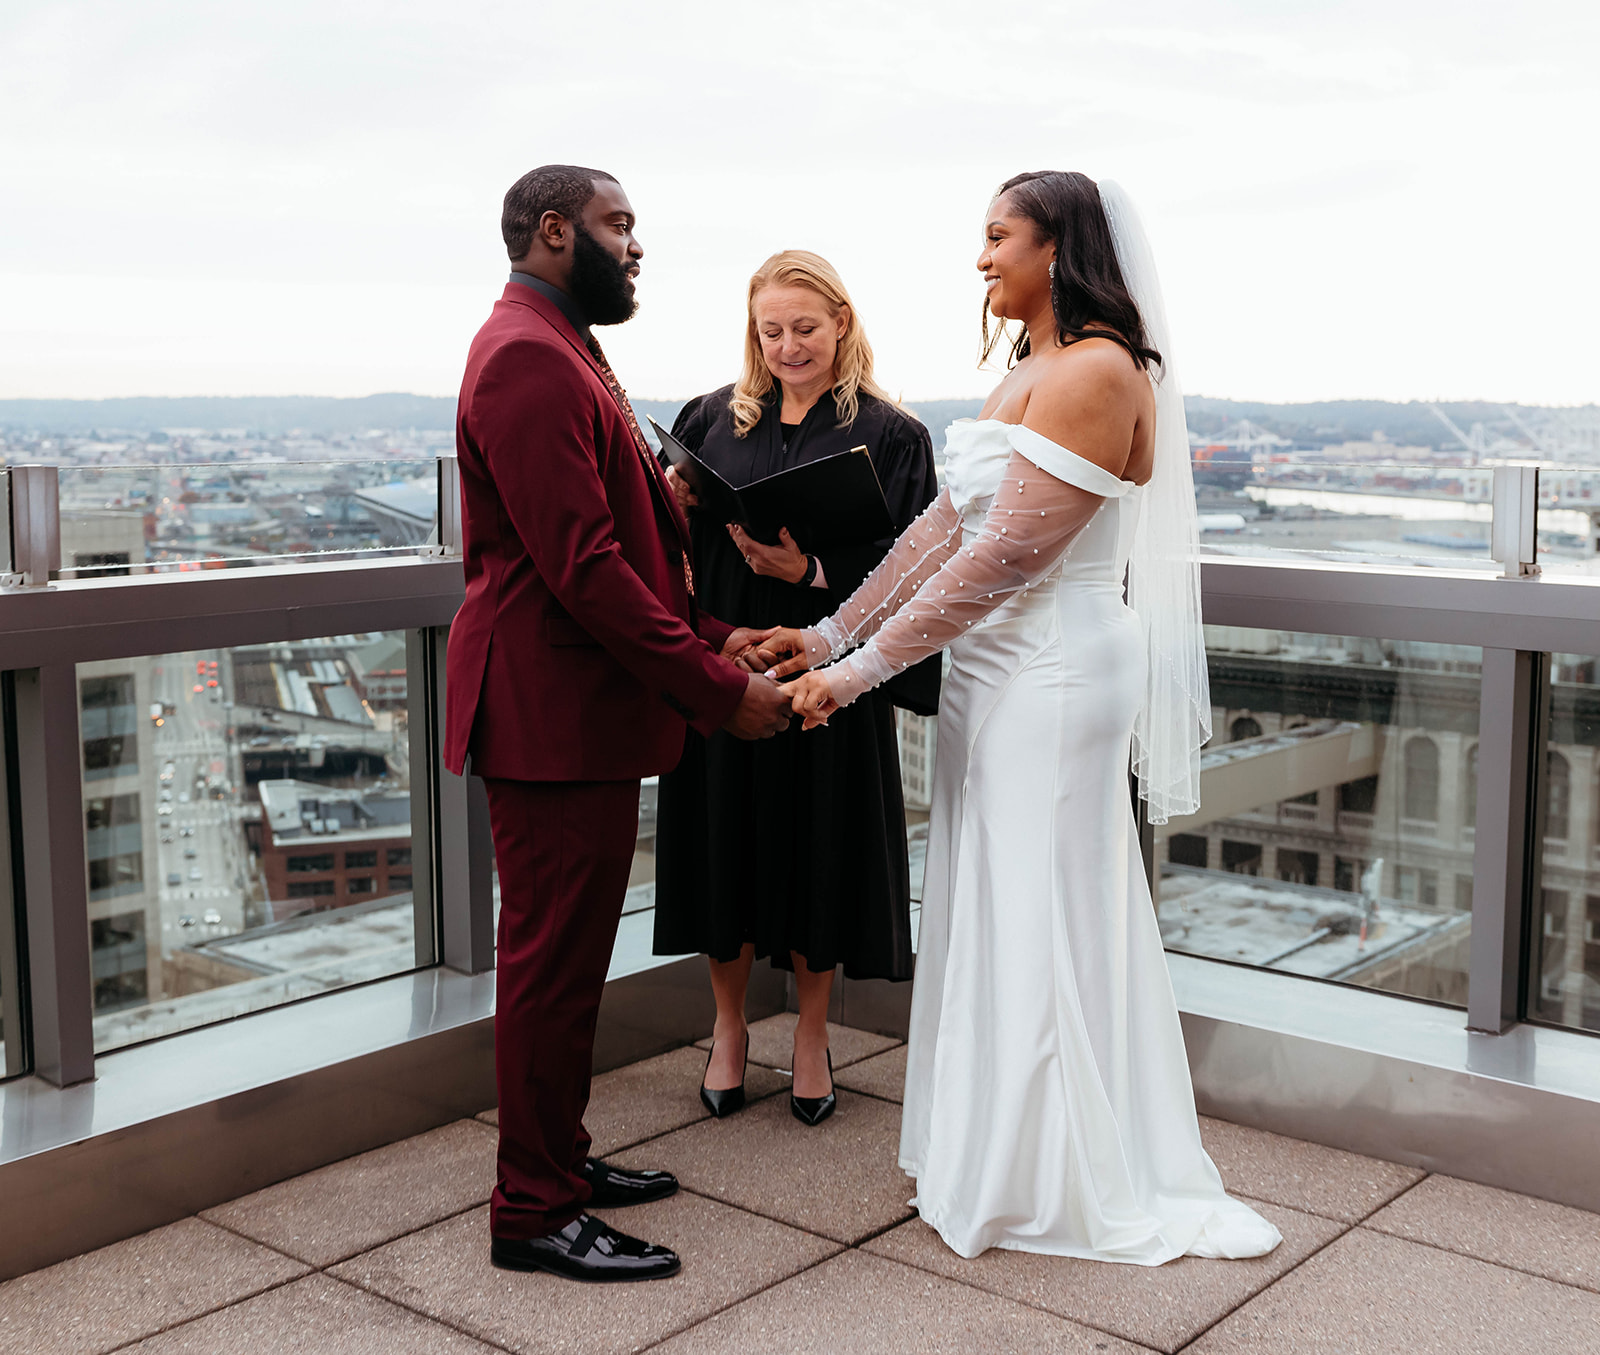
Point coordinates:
[[784, 561], [686, 497], [743, 648], [812, 697]]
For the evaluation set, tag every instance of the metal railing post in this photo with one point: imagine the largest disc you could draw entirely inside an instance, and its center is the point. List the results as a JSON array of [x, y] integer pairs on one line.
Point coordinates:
[[33, 527], [13, 936], [1514, 533], [55, 879], [448, 509], [1508, 839], [460, 845]]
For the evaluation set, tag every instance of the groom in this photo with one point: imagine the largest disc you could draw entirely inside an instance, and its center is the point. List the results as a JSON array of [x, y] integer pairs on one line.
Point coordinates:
[[574, 665]]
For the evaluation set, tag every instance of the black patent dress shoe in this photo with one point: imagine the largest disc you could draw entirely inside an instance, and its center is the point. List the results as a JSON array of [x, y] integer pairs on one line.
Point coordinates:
[[586, 1249], [813, 1110], [724, 1102], [613, 1187]]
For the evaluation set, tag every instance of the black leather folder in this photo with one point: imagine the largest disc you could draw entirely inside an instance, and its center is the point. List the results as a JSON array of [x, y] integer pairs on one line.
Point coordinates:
[[834, 501]]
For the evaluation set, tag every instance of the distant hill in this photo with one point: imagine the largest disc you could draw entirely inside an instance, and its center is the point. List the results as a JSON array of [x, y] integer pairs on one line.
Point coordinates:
[[259, 414], [1412, 423]]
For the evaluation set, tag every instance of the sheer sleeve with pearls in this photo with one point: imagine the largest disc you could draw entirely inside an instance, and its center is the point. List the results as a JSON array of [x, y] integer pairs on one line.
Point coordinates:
[[922, 548], [934, 587]]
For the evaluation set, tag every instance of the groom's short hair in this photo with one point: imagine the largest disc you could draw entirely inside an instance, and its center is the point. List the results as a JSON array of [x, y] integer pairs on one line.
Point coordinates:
[[550, 188]]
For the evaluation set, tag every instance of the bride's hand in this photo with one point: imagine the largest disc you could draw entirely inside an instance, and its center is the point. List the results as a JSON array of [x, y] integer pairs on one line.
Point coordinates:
[[811, 698], [779, 643]]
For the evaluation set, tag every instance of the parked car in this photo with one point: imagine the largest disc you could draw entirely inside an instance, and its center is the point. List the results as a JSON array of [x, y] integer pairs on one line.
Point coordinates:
[[183, 797], [195, 874], [188, 853], [163, 810], [173, 879], [187, 920], [211, 917]]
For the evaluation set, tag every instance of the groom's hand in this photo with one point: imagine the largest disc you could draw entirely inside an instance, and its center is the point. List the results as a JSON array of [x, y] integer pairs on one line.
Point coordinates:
[[763, 711], [742, 648]]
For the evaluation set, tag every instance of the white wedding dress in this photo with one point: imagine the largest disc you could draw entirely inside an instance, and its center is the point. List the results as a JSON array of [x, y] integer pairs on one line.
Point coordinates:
[[1048, 1106]]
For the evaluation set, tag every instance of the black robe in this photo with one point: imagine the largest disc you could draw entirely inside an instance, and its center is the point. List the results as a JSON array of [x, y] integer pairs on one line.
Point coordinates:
[[796, 843]]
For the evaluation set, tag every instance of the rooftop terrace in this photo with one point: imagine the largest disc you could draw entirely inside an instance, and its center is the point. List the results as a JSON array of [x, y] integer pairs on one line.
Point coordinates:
[[1383, 931], [801, 1240]]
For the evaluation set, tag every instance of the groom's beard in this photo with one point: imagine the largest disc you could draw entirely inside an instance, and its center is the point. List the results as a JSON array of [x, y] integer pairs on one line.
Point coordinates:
[[599, 284]]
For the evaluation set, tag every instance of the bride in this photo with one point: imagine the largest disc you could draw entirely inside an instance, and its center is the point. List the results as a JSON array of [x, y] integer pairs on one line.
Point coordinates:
[[1048, 1106]]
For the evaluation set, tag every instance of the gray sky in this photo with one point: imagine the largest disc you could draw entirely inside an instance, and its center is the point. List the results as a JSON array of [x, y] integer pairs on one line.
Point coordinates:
[[1347, 199]]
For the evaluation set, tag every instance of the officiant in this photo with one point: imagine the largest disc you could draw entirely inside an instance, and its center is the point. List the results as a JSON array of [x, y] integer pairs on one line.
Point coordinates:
[[793, 849]]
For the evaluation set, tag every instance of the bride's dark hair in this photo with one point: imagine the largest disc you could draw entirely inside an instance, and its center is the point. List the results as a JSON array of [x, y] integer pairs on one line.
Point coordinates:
[[1088, 288]]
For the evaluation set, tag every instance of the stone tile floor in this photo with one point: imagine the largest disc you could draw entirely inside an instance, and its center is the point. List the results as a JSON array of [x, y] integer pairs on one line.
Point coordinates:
[[798, 1240]]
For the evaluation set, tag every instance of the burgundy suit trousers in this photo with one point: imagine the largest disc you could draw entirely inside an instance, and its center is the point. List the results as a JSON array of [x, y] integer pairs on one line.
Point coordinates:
[[564, 849]]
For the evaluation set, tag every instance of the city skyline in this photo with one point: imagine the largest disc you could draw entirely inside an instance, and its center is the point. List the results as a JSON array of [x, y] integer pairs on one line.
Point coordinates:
[[1355, 202]]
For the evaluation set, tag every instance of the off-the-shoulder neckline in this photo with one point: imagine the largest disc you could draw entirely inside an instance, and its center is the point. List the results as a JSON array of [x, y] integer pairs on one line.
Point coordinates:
[[1003, 423]]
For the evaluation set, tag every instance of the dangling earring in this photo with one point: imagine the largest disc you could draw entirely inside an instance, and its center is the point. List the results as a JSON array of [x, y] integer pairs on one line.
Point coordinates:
[[1052, 270]]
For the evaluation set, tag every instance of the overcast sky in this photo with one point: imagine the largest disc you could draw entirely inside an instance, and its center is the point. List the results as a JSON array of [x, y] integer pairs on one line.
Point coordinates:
[[1394, 199]]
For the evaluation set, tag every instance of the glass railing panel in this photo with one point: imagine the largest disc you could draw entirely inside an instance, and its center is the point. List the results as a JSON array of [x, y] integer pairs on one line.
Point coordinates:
[[1436, 516], [220, 515], [1338, 795], [247, 819], [1569, 521], [1564, 986]]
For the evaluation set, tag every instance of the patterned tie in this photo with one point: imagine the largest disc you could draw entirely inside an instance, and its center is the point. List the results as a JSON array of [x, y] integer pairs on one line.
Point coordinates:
[[652, 468]]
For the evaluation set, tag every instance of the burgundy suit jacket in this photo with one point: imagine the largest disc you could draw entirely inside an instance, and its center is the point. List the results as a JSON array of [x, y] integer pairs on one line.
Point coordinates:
[[577, 654]]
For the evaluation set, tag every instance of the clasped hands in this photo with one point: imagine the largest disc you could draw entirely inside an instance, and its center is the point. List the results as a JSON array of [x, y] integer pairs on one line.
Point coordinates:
[[770, 656]]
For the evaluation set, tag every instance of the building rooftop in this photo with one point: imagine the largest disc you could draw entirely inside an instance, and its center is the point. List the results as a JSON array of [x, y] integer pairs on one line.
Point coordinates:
[[1300, 929], [802, 1240], [311, 812]]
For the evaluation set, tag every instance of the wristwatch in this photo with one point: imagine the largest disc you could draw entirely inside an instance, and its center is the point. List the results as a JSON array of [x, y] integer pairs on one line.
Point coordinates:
[[810, 576]]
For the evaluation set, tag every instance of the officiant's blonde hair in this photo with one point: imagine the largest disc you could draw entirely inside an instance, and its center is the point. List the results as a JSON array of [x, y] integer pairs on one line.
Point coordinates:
[[852, 365]]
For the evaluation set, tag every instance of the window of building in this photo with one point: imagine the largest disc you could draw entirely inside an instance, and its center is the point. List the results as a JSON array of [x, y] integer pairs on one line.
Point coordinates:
[[111, 811], [1558, 796], [1187, 849], [1347, 873], [117, 991], [1471, 797], [1241, 858], [99, 693], [1297, 867], [1422, 780], [310, 889], [99, 564], [1419, 886], [362, 884], [119, 874], [360, 860], [1463, 893], [1359, 797], [322, 861], [399, 856], [1245, 727], [398, 884], [1552, 947], [108, 756]]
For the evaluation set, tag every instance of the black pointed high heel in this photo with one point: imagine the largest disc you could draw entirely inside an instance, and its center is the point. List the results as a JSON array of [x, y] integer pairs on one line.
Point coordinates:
[[813, 1110], [724, 1101]]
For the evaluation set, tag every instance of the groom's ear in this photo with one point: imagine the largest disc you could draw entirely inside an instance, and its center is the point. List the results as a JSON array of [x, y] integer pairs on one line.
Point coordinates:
[[554, 232]]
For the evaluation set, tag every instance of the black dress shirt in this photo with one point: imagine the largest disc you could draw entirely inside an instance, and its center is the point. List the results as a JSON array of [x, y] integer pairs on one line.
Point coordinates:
[[564, 303]]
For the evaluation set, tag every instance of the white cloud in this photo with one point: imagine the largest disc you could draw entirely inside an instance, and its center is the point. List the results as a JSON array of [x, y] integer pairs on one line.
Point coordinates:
[[1347, 198]]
